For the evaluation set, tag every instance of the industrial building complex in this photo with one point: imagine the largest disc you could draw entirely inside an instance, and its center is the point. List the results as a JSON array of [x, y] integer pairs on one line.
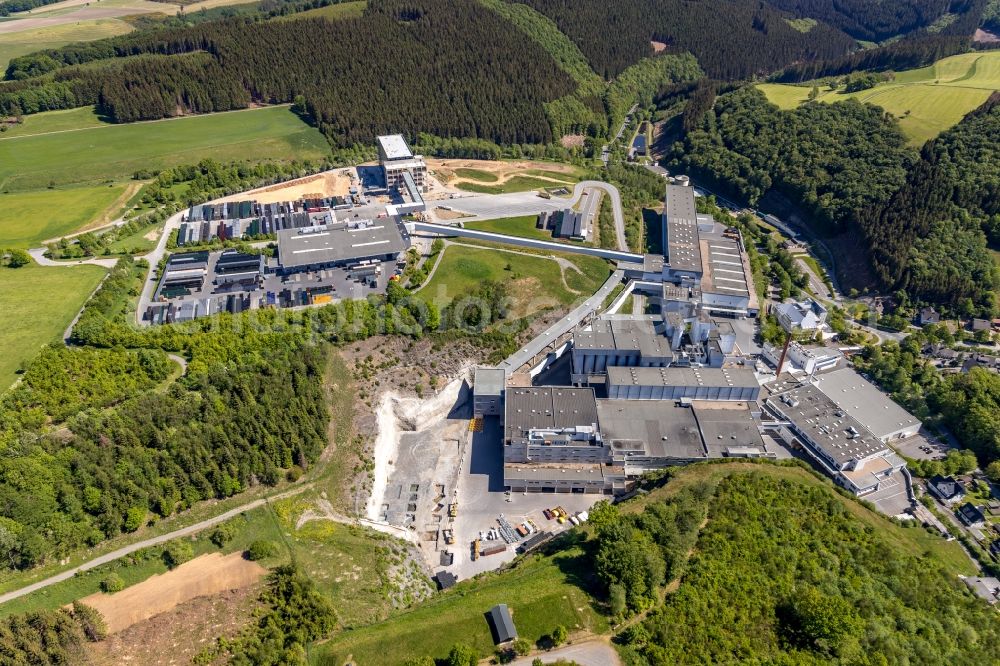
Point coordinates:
[[599, 398], [674, 385]]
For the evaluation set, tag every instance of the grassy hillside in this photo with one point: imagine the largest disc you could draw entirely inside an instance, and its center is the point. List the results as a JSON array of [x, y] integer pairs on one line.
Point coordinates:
[[541, 594], [926, 101], [37, 305], [535, 282], [28, 218], [116, 151]]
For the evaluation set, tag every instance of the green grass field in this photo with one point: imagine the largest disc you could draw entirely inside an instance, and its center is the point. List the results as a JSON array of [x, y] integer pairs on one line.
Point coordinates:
[[333, 12], [477, 174], [37, 305], [925, 101], [523, 226], [55, 121], [15, 44], [535, 279], [515, 184], [137, 242], [28, 218], [117, 151], [541, 593]]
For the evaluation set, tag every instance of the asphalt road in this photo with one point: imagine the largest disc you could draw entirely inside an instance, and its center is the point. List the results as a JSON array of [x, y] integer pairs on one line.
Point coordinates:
[[616, 206], [591, 653], [38, 254], [153, 257], [498, 206]]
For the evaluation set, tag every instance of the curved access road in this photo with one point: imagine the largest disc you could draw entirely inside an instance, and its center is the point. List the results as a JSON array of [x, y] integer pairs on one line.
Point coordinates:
[[153, 258], [616, 206], [38, 254], [146, 543]]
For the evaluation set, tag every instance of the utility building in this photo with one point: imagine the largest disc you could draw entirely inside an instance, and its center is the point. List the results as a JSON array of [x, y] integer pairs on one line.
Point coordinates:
[[488, 391], [841, 445], [861, 399], [680, 235]]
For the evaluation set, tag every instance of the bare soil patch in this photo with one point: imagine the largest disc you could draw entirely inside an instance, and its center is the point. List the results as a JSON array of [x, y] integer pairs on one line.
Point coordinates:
[[176, 636], [984, 36], [658, 47], [327, 184], [572, 141], [503, 170], [205, 575], [443, 214]]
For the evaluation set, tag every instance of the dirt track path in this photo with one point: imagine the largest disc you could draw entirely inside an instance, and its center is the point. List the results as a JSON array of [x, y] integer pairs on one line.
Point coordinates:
[[146, 543]]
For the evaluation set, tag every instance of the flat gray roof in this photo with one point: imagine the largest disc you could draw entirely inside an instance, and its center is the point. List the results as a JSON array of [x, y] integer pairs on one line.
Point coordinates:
[[727, 425], [723, 268], [489, 381], [650, 428], [625, 334], [676, 376], [394, 147], [827, 425], [337, 242], [681, 221], [865, 402], [542, 407]]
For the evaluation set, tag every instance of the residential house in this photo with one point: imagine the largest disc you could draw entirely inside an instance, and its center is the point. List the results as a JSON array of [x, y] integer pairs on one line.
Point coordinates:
[[946, 488], [928, 316], [970, 515]]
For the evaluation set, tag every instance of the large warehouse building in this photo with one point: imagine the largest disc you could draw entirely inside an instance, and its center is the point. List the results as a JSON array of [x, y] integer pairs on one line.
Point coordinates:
[[843, 446], [348, 243], [563, 439], [863, 401]]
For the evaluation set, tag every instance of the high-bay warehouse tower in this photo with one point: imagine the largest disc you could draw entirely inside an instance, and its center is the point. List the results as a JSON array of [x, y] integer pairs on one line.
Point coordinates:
[[398, 160]]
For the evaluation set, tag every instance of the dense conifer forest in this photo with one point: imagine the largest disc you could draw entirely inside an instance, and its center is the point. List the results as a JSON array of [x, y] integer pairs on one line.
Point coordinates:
[[450, 69], [876, 21], [732, 39], [8, 7]]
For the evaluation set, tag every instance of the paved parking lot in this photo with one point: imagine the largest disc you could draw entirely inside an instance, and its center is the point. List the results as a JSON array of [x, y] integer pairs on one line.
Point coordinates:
[[481, 500], [493, 206], [922, 447]]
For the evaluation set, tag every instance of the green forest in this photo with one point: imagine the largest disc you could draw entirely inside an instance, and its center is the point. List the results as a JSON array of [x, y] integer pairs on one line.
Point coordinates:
[[732, 39], [781, 572], [450, 69]]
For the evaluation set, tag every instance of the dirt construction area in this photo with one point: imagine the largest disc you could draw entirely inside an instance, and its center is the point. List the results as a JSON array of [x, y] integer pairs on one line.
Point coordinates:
[[336, 183], [202, 576], [449, 172], [177, 636]]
